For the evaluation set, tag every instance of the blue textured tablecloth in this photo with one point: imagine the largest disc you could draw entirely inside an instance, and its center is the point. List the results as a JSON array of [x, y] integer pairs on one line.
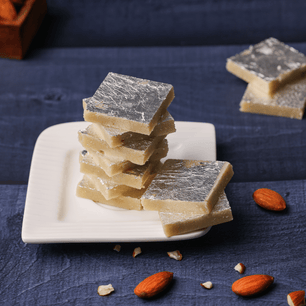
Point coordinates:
[[69, 274], [100, 23], [47, 88]]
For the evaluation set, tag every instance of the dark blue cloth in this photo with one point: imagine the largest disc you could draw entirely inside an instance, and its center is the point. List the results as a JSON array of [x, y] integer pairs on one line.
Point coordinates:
[[96, 23], [69, 274], [78, 44], [48, 87]]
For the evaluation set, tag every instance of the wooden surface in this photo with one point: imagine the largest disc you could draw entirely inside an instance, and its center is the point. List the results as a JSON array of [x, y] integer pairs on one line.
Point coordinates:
[[47, 88]]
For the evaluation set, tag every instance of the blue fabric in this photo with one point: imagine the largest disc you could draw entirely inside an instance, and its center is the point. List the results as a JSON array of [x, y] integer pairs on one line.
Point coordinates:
[[69, 274], [95, 23], [47, 88], [185, 43]]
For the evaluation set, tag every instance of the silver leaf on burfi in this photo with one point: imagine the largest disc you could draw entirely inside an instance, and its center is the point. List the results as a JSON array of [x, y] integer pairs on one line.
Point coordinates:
[[184, 180], [269, 59], [292, 95], [128, 97]]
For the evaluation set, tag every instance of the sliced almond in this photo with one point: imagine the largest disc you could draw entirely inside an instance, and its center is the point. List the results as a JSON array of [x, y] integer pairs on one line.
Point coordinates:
[[105, 289], [207, 285], [175, 255], [136, 252], [240, 268], [117, 247]]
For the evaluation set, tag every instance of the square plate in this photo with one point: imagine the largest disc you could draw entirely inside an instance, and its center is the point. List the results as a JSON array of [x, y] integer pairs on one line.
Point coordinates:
[[54, 214]]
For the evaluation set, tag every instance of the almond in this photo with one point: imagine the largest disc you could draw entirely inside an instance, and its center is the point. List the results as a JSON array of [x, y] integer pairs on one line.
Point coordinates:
[[153, 284], [7, 10], [269, 199], [253, 284], [296, 298]]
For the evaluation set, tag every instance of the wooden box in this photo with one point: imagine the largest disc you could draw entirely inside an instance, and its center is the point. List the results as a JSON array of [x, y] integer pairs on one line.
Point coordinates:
[[16, 35]]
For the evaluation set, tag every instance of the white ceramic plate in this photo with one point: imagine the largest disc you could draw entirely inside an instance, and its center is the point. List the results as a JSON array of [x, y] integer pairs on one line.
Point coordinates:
[[54, 214]]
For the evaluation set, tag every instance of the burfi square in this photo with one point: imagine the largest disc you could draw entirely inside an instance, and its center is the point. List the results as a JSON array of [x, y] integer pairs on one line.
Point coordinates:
[[289, 101], [126, 197], [109, 189], [178, 223], [128, 103], [86, 189], [114, 166], [135, 177], [187, 186], [268, 65], [116, 137], [137, 150]]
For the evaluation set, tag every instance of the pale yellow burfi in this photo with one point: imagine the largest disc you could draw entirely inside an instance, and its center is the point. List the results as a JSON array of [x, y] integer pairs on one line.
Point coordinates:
[[178, 223], [87, 190], [108, 189], [269, 65], [128, 103], [113, 166], [187, 186], [112, 190], [289, 101], [135, 177], [116, 137], [136, 150]]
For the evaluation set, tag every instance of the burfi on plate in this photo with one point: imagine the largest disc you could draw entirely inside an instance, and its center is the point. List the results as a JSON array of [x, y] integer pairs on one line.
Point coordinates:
[[128, 103], [112, 190], [113, 166], [289, 101], [116, 137], [86, 189], [187, 186], [108, 189], [178, 223], [135, 177], [269, 65], [137, 149]]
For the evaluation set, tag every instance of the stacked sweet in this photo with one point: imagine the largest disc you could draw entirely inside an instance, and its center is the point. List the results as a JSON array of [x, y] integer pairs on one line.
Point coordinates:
[[121, 161], [276, 76], [125, 140], [189, 195]]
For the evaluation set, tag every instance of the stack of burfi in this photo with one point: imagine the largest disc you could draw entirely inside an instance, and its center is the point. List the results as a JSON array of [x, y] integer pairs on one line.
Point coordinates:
[[276, 76], [189, 195], [125, 140], [123, 146]]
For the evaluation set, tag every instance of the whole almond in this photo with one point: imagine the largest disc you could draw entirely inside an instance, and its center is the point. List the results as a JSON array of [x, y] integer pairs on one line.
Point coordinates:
[[269, 199], [296, 298], [7, 10], [253, 284], [153, 284]]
